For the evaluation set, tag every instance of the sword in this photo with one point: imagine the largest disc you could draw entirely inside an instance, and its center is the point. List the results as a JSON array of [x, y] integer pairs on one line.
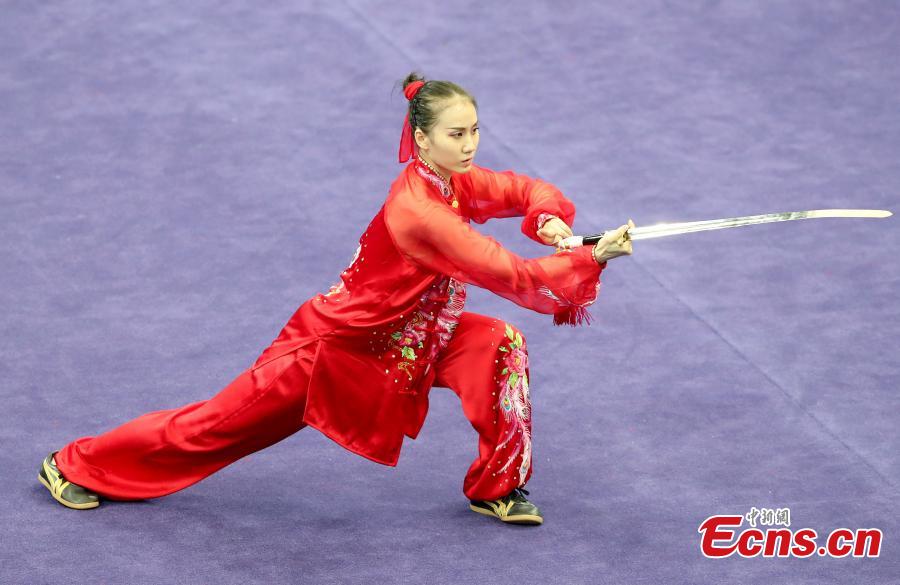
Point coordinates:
[[673, 229]]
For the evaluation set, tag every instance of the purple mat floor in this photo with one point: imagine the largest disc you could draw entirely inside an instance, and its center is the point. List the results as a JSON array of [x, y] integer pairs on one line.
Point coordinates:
[[176, 178]]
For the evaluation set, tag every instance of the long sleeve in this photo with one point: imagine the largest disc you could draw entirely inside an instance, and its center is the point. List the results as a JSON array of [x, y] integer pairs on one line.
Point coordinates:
[[430, 235], [494, 194]]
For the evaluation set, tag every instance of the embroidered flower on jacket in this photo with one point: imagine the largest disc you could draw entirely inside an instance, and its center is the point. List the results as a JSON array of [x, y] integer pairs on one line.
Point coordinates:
[[447, 299], [339, 286]]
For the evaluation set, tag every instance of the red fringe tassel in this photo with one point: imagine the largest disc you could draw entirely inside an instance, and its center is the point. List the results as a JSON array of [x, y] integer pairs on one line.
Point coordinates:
[[573, 316]]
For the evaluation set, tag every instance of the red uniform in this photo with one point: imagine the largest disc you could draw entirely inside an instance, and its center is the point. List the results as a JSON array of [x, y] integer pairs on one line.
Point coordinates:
[[357, 362]]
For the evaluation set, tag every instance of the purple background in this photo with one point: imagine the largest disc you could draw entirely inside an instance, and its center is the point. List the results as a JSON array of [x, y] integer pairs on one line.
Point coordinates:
[[176, 178]]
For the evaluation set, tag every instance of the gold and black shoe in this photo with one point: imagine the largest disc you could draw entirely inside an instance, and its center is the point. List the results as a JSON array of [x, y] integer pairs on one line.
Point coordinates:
[[513, 508], [65, 492]]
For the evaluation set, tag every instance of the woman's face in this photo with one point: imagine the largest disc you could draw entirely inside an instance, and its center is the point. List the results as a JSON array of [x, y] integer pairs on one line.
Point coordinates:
[[450, 146]]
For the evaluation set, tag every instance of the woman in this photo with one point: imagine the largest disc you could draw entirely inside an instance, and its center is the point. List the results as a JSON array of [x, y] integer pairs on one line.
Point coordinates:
[[358, 361]]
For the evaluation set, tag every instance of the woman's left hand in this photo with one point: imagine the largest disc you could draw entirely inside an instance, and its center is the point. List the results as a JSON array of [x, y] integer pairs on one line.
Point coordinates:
[[554, 230]]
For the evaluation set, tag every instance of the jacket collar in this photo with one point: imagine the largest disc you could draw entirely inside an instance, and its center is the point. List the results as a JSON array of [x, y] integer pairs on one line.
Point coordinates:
[[429, 174]]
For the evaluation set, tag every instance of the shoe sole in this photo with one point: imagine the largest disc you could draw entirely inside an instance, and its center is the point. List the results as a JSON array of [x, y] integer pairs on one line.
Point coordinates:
[[65, 503], [517, 519]]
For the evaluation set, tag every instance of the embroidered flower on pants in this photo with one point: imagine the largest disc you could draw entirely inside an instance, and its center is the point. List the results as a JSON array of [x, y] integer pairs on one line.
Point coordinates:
[[515, 403]]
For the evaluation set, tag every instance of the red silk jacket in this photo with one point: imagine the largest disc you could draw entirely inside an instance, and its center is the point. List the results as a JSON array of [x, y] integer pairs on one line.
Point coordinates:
[[365, 392]]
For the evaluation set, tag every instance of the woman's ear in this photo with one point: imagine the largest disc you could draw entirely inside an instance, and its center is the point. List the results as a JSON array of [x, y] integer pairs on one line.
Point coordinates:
[[421, 139]]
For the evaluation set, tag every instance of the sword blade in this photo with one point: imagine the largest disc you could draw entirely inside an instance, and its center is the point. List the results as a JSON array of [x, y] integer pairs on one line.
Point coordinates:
[[673, 229], [686, 227]]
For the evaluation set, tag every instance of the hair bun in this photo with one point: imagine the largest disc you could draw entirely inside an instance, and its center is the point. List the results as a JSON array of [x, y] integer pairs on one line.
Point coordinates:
[[412, 89]]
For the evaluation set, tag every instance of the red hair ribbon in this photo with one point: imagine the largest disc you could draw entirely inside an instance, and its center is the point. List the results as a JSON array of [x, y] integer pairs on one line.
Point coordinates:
[[406, 137]]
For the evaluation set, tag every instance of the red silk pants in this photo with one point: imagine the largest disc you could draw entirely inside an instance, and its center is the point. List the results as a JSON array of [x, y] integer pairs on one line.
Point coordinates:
[[485, 364]]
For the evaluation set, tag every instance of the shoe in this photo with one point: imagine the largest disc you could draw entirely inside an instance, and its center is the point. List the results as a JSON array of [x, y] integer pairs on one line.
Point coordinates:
[[65, 492], [513, 508]]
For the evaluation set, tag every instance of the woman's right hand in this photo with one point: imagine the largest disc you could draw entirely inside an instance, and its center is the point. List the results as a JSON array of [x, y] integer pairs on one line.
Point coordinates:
[[613, 244]]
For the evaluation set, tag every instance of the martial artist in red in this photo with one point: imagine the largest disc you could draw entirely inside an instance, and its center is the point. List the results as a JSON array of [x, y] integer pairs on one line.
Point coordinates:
[[357, 362]]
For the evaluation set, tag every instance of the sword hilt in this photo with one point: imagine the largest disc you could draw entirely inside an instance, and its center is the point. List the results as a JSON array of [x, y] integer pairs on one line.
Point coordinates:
[[574, 241]]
